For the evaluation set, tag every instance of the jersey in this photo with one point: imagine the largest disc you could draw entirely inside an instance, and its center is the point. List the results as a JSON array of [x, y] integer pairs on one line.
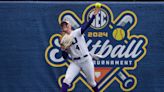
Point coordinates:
[[79, 47]]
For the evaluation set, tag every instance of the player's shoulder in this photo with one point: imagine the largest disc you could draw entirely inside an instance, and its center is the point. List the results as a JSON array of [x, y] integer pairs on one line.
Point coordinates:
[[77, 31]]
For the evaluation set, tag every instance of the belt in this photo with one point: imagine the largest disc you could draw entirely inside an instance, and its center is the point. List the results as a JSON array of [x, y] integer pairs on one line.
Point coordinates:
[[78, 58]]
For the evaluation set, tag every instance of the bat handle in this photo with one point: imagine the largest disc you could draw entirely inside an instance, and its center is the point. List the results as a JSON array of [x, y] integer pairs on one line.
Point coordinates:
[[127, 82]]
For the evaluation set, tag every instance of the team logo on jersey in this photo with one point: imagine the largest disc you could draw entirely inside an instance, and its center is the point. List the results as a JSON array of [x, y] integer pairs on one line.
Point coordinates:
[[111, 37]]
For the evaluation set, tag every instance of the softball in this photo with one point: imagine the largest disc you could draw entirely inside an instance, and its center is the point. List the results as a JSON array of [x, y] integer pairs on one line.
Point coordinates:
[[98, 5], [118, 34]]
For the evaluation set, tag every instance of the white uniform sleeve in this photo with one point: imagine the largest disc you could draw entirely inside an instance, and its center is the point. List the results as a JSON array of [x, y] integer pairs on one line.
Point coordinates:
[[78, 31]]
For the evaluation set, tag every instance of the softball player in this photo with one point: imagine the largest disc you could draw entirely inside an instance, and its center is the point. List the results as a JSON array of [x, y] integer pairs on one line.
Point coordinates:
[[79, 52]]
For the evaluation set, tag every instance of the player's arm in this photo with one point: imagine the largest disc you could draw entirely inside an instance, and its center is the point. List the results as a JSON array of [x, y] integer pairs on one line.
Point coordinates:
[[87, 25], [63, 49], [60, 38], [64, 54]]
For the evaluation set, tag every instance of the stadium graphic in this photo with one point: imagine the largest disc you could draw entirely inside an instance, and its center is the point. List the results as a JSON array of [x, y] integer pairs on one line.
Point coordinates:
[[109, 36]]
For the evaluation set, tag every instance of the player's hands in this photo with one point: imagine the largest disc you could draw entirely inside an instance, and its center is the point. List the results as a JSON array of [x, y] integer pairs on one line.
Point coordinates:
[[62, 47], [96, 11], [66, 41]]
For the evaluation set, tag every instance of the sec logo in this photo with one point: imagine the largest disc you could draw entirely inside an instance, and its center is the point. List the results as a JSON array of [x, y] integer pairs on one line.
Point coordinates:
[[101, 19]]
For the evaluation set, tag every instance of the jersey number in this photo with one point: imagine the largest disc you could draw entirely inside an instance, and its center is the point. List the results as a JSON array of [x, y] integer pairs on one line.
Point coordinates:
[[75, 42], [77, 47]]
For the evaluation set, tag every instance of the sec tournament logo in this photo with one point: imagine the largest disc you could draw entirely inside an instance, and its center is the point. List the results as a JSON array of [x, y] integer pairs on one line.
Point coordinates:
[[111, 37]]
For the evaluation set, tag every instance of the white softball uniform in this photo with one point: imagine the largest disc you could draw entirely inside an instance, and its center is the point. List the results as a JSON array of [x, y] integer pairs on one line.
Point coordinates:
[[81, 59]]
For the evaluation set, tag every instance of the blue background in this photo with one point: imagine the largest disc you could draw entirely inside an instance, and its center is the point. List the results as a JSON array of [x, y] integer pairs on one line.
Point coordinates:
[[25, 29]]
